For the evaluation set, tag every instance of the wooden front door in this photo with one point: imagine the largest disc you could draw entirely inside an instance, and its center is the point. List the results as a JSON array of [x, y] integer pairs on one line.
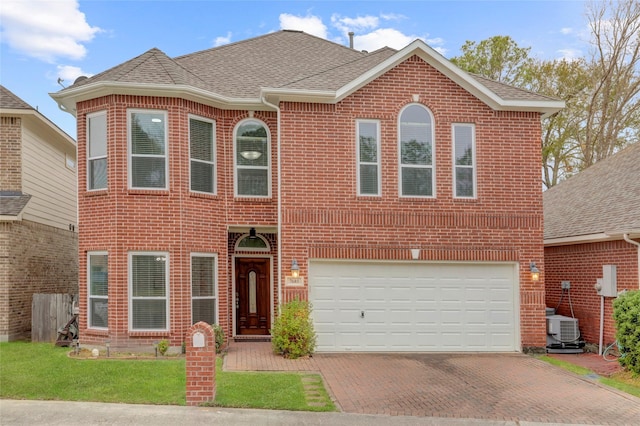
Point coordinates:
[[253, 313]]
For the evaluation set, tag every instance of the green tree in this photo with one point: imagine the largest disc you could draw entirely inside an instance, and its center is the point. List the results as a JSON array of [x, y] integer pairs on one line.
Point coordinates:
[[498, 58]]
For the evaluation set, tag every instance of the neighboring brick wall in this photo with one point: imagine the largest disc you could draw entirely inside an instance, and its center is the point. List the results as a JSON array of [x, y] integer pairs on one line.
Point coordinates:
[[581, 264], [36, 259], [322, 215], [10, 153]]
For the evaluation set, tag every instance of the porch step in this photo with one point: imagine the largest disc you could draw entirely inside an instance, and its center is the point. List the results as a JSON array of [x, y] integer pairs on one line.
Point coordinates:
[[252, 339]]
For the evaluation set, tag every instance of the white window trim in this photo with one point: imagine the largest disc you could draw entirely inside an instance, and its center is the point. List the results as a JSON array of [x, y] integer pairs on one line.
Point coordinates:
[[89, 159], [215, 273], [130, 288], [235, 160], [89, 296], [256, 249], [473, 158], [377, 163], [130, 149], [433, 156], [213, 162]]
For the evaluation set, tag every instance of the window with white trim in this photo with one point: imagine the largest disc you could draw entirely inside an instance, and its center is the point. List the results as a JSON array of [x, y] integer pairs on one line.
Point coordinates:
[[97, 151], [252, 159], [368, 154], [464, 155], [149, 291], [148, 163], [202, 155], [417, 174], [97, 290], [203, 288]]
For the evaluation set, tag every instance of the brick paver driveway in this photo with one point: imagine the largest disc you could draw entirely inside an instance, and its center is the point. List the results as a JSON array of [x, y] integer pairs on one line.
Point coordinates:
[[512, 387]]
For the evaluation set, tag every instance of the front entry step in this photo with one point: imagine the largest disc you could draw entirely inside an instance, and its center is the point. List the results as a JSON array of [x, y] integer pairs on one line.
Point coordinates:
[[259, 338]]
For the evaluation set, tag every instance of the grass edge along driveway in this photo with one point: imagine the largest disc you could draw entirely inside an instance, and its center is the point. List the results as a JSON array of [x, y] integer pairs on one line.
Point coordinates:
[[46, 372]]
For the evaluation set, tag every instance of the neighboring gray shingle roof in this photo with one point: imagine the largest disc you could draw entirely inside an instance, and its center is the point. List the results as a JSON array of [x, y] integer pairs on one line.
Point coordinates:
[[10, 101], [281, 60], [604, 198], [12, 203]]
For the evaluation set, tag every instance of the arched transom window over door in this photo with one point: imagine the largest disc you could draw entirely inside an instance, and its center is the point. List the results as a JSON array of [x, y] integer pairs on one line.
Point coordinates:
[[415, 140], [252, 159]]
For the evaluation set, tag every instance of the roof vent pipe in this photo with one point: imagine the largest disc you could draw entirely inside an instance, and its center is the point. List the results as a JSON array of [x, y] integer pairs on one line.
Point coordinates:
[[351, 33]]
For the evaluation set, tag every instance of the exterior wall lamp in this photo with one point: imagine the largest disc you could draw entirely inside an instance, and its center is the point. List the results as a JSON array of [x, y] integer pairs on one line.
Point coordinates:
[[252, 233], [535, 272], [295, 269]]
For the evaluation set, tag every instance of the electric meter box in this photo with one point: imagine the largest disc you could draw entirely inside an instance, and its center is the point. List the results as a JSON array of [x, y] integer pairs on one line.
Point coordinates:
[[609, 284]]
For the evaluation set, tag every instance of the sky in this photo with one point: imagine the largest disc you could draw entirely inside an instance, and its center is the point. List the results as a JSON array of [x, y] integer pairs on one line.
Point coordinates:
[[47, 44]]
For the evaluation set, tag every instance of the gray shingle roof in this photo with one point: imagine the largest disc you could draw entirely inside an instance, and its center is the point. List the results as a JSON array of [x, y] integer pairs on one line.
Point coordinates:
[[10, 101], [281, 60], [12, 203], [605, 198]]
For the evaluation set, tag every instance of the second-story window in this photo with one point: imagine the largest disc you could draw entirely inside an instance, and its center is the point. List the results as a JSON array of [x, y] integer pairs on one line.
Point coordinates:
[[148, 162], [97, 151], [464, 176], [252, 159], [202, 154], [417, 176], [368, 152]]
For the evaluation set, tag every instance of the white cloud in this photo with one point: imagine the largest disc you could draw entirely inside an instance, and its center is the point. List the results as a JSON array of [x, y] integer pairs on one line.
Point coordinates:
[[383, 37], [566, 31], [361, 23], [309, 24], [392, 17], [219, 41], [46, 29], [570, 54]]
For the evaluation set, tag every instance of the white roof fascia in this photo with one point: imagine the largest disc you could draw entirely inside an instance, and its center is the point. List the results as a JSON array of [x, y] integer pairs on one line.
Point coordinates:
[[299, 95], [581, 239], [67, 100]]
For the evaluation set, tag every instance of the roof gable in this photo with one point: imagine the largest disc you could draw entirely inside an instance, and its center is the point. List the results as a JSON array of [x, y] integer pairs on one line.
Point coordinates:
[[603, 199], [8, 100]]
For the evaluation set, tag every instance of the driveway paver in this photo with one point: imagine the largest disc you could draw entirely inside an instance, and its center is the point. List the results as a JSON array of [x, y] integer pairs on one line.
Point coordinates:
[[508, 387]]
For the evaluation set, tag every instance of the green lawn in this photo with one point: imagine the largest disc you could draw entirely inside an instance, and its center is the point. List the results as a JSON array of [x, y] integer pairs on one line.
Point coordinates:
[[44, 371]]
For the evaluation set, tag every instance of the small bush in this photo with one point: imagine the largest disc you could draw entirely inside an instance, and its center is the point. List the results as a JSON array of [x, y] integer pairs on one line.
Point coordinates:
[[163, 346], [626, 313], [292, 335], [218, 334]]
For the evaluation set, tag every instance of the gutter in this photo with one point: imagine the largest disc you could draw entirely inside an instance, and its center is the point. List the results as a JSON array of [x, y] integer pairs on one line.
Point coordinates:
[[279, 192], [635, 243]]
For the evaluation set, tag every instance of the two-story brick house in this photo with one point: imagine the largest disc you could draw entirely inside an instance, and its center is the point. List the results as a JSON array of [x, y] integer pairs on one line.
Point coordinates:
[[404, 192]]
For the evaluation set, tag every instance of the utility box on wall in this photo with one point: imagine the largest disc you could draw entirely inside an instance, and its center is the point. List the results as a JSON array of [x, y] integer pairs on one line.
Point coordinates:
[[609, 283]]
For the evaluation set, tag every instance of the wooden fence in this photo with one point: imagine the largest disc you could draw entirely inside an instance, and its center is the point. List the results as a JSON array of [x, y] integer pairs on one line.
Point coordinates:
[[49, 312]]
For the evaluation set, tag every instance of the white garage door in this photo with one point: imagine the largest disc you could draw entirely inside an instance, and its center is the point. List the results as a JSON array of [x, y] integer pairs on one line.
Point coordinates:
[[423, 307]]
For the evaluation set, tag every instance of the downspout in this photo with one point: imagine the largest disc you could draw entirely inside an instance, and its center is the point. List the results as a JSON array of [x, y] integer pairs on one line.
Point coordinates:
[[279, 192], [635, 243]]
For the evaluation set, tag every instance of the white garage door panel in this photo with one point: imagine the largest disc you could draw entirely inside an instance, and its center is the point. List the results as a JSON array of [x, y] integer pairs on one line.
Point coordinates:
[[414, 306]]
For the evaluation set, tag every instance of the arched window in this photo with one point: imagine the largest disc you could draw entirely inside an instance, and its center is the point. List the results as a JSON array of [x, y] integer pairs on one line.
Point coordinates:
[[252, 243], [415, 146], [252, 159]]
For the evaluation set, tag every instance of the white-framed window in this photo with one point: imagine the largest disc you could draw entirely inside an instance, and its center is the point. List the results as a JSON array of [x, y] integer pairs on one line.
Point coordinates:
[[148, 291], [148, 162], [252, 159], [204, 291], [252, 243], [368, 154], [97, 151], [202, 165], [464, 160], [415, 146], [97, 289]]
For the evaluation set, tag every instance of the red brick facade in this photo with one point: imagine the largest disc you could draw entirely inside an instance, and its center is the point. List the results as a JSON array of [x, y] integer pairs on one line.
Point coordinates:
[[581, 264], [322, 215]]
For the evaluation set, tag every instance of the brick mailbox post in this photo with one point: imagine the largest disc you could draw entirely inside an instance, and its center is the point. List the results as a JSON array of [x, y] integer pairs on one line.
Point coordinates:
[[201, 364]]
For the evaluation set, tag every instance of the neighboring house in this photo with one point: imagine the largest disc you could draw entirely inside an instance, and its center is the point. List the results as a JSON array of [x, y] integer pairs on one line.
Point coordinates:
[[403, 191], [591, 220], [38, 212]]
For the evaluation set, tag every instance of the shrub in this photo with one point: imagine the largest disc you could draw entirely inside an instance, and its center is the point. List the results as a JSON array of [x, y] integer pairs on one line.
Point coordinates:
[[163, 346], [292, 335], [626, 313], [218, 334]]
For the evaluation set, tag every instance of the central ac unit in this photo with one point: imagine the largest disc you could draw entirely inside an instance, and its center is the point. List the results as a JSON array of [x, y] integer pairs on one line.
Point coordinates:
[[563, 335]]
